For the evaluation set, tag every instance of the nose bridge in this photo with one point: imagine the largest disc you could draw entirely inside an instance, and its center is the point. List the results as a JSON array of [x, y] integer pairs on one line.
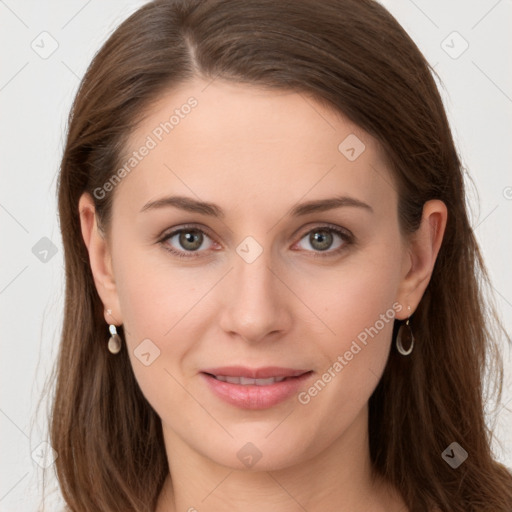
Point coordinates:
[[252, 269], [252, 303]]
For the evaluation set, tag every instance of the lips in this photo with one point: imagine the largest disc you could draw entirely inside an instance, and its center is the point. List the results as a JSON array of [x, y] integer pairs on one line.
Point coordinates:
[[258, 388]]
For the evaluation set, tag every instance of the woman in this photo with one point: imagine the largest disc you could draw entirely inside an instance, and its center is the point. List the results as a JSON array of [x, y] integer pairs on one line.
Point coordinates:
[[272, 299]]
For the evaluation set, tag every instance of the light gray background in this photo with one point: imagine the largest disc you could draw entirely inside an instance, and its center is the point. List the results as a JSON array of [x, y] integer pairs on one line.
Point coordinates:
[[35, 97]]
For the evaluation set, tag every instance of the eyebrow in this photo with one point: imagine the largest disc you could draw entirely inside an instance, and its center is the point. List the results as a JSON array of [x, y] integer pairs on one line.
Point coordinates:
[[211, 209]]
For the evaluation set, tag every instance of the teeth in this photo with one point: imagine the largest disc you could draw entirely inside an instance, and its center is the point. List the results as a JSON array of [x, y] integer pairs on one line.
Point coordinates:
[[245, 381]]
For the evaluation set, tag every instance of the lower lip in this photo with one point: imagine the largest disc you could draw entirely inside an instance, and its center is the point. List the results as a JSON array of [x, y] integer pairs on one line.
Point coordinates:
[[256, 397]]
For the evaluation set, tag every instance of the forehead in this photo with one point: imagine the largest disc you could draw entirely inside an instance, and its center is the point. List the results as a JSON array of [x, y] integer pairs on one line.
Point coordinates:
[[250, 147]]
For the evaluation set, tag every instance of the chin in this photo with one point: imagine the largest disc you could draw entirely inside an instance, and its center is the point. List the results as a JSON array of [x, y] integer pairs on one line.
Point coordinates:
[[252, 451]]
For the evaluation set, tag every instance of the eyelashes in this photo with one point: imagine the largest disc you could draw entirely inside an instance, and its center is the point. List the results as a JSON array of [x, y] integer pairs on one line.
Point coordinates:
[[191, 235]]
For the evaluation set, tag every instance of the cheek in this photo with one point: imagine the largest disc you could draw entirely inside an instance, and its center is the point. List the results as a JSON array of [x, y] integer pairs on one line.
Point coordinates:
[[351, 298], [157, 305], [154, 294], [357, 304]]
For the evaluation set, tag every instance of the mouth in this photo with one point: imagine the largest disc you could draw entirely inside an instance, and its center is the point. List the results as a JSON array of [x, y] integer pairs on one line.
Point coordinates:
[[246, 381], [255, 388]]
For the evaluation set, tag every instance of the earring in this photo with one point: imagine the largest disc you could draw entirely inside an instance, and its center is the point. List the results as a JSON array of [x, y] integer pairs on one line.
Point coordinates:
[[114, 343], [405, 334]]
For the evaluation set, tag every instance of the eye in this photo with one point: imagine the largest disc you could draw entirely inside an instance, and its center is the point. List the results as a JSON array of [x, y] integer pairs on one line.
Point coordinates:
[[321, 239], [189, 241]]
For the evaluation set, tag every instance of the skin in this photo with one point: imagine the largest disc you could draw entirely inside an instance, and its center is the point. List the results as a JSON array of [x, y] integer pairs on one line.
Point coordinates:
[[257, 153]]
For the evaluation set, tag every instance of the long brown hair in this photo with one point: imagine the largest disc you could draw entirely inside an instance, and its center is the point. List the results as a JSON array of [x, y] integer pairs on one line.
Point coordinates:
[[354, 57]]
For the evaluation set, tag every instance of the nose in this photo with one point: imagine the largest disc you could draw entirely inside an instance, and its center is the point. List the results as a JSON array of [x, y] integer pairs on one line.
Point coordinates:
[[255, 301]]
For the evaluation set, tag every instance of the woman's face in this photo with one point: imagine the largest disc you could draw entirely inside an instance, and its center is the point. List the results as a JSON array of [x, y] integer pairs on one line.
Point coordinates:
[[260, 282]]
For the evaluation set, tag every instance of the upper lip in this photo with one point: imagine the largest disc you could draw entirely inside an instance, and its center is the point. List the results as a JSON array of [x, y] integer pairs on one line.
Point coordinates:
[[255, 373]]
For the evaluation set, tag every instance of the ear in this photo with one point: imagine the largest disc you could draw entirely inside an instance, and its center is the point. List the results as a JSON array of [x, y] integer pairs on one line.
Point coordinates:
[[422, 252], [100, 259]]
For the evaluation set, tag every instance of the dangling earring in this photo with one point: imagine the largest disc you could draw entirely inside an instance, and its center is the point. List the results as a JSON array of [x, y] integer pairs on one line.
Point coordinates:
[[405, 333], [114, 343]]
